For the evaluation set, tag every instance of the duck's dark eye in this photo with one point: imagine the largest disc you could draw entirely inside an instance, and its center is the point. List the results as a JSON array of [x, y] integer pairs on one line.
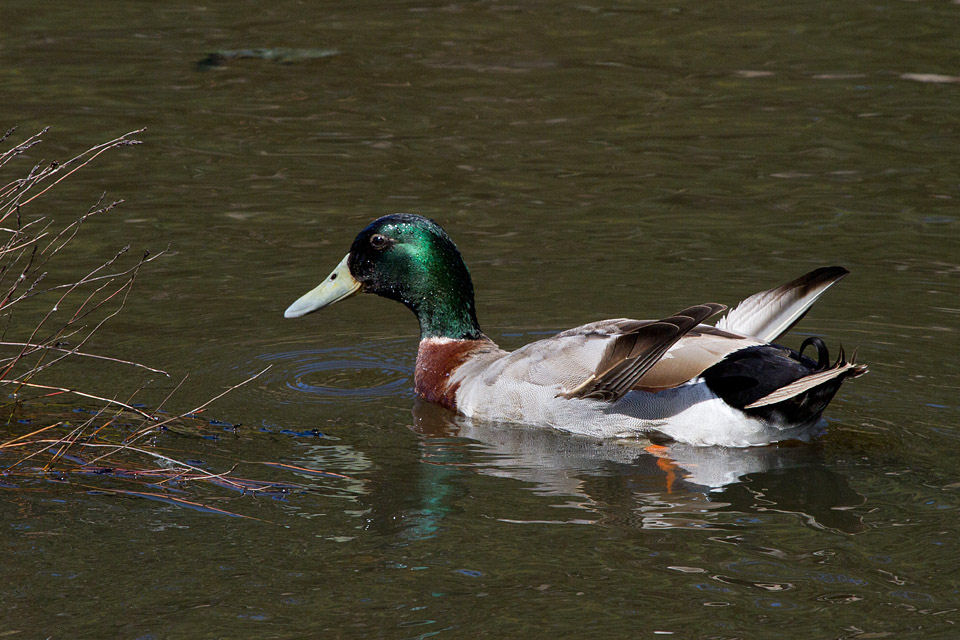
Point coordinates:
[[379, 241]]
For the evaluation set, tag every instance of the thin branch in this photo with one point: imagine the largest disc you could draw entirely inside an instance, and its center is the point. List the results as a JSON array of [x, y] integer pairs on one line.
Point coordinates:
[[96, 151], [200, 407], [88, 280], [153, 454], [82, 395], [74, 352], [169, 395], [10, 443]]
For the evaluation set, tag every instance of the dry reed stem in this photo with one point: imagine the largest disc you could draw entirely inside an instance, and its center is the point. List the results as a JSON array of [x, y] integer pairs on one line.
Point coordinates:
[[153, 428], [81, 354], [70, 166], [79, 309]]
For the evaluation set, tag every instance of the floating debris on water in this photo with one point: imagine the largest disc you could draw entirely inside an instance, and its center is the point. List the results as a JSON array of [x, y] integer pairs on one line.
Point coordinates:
[[282, 55]]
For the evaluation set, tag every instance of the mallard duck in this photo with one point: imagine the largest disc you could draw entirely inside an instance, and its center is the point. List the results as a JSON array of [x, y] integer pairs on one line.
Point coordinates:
[[676, 377]]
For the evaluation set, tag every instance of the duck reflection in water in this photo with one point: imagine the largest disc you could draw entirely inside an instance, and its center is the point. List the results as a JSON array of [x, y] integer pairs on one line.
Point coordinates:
[[666, 485]]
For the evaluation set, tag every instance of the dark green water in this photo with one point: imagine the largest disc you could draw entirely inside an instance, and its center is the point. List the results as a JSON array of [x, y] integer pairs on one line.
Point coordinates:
[[591, 161]]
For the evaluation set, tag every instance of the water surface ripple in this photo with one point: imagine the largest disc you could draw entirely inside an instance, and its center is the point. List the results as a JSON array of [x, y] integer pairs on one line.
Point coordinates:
[[358, 372]]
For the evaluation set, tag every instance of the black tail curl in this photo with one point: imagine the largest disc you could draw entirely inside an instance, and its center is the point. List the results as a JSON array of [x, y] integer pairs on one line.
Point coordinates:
[[823, 353], [751, 374]]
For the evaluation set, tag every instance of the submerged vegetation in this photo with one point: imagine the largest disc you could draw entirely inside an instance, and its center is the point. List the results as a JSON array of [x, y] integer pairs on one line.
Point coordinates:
[[99, 442]]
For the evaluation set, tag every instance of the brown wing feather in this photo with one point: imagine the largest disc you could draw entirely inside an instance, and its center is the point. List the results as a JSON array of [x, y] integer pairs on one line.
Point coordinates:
[[634, 352], [696, 352]]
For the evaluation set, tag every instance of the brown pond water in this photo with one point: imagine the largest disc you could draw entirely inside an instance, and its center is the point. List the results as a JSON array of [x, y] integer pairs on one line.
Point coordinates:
[[591, 160]]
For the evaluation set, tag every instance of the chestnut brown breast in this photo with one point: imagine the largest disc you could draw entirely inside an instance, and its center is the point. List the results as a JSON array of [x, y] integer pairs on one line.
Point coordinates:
[[437, 359]]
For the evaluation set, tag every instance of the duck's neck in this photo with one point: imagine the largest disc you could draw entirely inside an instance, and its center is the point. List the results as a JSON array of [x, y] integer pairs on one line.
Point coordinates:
[[440, 321], [447, 311]]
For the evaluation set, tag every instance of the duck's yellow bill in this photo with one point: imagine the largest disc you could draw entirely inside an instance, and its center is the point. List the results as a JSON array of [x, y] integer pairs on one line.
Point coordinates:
[[337, 286]]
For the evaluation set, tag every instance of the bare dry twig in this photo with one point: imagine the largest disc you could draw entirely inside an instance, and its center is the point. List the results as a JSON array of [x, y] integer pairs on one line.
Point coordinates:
[[76, 310]]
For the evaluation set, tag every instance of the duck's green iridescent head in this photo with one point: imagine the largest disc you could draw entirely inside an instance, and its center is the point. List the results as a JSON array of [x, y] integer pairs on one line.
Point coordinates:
[[408, 258]]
